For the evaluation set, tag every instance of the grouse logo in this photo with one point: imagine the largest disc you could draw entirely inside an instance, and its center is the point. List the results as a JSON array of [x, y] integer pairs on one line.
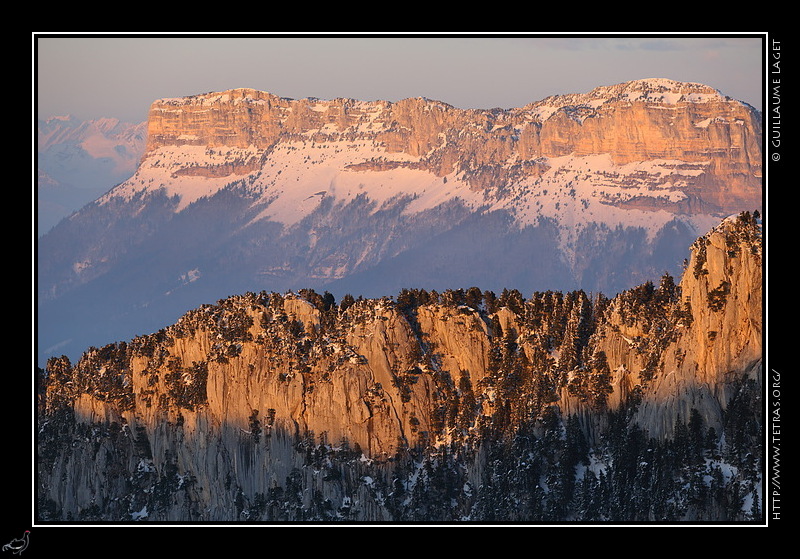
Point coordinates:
[[18, 545]]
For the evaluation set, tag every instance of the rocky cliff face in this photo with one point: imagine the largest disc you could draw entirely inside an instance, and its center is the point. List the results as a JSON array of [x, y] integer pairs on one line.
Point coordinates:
[[689, 349], [269, 407], [690, 125]]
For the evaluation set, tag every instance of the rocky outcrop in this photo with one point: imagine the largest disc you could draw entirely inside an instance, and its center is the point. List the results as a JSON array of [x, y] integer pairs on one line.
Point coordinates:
[[688, 355], [723, 287]]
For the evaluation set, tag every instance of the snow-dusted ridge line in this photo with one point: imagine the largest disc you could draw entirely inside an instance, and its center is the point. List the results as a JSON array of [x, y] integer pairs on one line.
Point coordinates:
[[654, 91], [651, 90]]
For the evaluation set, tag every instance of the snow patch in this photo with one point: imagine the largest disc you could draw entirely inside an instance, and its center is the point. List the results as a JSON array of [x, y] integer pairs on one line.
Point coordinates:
[[140, 514], [165, 170], [300, 175]]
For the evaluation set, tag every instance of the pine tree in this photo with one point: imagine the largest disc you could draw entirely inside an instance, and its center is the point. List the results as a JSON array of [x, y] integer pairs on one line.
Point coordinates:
[[490, 302], [599, 379], [347, 302]]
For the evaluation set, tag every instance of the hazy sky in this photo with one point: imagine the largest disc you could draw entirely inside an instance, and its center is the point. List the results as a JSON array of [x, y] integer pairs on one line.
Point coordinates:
[[103, 76]]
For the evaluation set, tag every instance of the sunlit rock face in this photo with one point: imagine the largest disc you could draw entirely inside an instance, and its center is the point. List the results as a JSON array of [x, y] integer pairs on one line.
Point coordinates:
[[690, 127], [691, 356]]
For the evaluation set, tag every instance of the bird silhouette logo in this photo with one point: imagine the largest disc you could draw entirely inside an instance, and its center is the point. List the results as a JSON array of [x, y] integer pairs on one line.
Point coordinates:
[[18, 545]]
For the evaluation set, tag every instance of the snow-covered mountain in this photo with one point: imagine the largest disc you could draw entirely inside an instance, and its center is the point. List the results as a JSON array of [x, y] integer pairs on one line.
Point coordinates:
[[246, 191], [77, 161]]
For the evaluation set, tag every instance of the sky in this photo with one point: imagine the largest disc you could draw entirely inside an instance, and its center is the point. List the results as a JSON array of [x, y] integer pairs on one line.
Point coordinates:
[[97, 76]]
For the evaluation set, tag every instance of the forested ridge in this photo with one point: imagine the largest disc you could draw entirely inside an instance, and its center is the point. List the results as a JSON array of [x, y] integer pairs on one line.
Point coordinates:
[[537, 436]]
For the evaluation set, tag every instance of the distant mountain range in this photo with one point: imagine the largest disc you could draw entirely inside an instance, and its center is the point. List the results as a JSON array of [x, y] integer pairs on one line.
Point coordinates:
[[246, 191], [77, 161]]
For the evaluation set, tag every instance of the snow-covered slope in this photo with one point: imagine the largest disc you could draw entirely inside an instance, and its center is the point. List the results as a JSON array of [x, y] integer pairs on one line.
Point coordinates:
[[573, 190]]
